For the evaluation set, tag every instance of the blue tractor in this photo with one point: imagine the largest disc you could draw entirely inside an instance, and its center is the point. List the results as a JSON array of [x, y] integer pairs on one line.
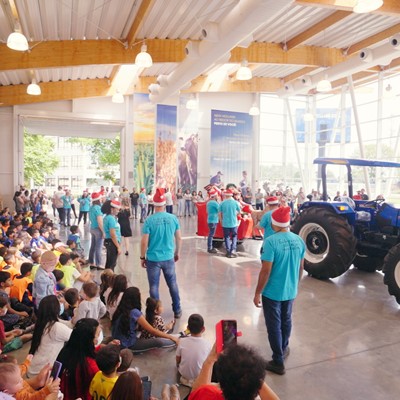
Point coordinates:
[[337, 234]]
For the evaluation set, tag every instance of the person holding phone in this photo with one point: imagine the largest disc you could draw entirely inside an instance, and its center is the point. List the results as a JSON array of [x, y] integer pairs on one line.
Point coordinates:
[[159, 250], [241, 373], [282, 261]]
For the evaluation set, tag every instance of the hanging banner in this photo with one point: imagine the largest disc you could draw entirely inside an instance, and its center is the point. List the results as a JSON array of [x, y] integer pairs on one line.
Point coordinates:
[[143, 139], [166, 147], [187, 145], [231, 148]]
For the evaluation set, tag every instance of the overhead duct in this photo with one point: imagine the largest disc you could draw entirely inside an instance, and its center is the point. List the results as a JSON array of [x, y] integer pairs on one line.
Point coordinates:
[[244, 19], [365, 59]]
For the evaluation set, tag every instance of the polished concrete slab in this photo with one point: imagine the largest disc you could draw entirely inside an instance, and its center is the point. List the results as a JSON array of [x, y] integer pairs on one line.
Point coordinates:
[[345, 342]]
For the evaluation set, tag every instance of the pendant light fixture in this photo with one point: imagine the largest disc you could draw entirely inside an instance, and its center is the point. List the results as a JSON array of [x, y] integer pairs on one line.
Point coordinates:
[[143, 59], [17, 41], [324, 85], [34, 89], [244, 72], [366, 6]]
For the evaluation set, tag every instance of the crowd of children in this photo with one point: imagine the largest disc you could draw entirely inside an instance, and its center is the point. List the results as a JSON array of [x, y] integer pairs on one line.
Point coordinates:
[[48, 297]]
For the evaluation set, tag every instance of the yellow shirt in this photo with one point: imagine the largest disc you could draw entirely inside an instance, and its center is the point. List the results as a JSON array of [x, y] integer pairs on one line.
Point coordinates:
[[34, 270], [101, 386], [71, 274]]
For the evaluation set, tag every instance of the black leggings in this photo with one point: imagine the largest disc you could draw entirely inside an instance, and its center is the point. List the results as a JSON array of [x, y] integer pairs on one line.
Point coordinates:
[[112, 254]]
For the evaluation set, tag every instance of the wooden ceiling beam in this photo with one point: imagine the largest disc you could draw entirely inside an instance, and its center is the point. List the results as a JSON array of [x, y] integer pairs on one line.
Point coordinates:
[[53, 91], [69, 53], [144, 9], [389, 7], [272, 53], [315, 29], [378, 37]]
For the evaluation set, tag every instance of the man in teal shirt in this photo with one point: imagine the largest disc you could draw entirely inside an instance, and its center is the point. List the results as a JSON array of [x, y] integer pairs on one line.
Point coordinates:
[[281, 269], [228, 213], [212, 219], [160, 248]]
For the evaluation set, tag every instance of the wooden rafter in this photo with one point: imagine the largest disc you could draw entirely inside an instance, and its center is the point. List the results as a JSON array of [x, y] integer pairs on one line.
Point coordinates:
[[298, 74], [144, 9], [315, 29]]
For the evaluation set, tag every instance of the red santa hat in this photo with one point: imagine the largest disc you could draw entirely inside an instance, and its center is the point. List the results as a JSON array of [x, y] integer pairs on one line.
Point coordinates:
[[247, 209], [228, 192], [159, 197], [272, 200], [281, 217], [212, 193], [96, 196], [142, 189], [115, 204]]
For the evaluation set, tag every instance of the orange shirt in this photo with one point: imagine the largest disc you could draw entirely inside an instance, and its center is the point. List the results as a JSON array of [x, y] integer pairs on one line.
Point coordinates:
[[19, 287], [11, 270]]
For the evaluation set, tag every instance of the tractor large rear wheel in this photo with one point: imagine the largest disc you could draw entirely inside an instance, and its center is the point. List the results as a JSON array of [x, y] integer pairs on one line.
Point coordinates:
[[330, 243], [391, 269]]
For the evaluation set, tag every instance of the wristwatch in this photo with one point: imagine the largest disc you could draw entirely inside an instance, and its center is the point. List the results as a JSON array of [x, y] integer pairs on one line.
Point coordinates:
[[142, 258]]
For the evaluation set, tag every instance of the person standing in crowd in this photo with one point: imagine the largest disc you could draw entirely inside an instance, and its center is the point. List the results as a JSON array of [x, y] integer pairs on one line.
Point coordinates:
[[112, 232], [300, 197], [180, 203], [96, 231], [282, 264], [58, 203], [259, 200], [188, 202], [337, 197], [125, 224], [212, 219], [134, 196], [67, 205], [160, 248], [216, 180], [150, 204], [265, 223], [364, 195], [84, 207], [248, 195], [143, 204], [228, 213], [168, 201], [194, 202]]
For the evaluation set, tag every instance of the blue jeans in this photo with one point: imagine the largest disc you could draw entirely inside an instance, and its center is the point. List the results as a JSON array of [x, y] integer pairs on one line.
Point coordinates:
[[143, 212], [211, 231], [67, 214], [188, 204], [154, 269], [278, 320], [230, 237], [96, 246]]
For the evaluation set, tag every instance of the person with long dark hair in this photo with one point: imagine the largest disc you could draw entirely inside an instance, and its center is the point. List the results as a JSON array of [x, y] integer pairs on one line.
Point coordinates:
[[113, 294], [112, 232], [49, 335], [126, 319], [127, 387], [78, 360]]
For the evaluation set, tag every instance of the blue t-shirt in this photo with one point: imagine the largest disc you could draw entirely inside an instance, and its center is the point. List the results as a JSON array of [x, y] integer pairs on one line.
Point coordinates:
[[130, 339], [110, 222], [142, 199], [229, 209], [84, 204], [212, 212], [266, 224], [285, 250], [67, 200], [75, 238], [94, 212], [161, 228]]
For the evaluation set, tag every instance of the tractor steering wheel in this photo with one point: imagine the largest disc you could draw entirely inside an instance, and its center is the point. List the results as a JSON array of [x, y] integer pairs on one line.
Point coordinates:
[[373, 203]]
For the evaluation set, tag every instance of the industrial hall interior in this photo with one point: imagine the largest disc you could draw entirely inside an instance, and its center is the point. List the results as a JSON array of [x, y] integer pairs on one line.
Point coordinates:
[[200, 199]]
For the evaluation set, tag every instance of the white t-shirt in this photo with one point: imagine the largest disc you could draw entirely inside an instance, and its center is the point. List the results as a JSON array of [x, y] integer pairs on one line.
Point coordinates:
[[111, 309], [193, 351], [168, 199], [51, 344]]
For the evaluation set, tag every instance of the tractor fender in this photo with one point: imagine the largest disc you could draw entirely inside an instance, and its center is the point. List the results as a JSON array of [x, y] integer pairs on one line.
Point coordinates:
[[338, 207]]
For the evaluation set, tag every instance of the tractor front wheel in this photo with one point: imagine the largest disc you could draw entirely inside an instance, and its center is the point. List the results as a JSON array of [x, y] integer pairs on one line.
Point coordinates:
[[330, 243], [391, 270]]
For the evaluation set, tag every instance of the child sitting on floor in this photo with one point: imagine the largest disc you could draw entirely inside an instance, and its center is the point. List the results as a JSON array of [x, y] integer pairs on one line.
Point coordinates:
[[108, 360], [91, 306], [71, 297], [192, 351], [22, 285], [154, 310]]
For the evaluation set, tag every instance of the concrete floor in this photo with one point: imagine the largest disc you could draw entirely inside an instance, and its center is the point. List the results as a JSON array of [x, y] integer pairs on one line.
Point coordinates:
[[345, 342]]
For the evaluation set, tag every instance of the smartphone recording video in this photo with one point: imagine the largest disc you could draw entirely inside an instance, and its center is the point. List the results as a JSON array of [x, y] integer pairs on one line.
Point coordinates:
[[226, 334]]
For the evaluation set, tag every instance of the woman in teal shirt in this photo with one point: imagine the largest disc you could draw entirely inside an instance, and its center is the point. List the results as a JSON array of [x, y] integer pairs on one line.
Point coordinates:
[[112, 232], [84, 206]]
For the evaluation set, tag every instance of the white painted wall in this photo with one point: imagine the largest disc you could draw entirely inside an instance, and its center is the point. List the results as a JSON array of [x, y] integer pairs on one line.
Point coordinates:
[[7, 156]]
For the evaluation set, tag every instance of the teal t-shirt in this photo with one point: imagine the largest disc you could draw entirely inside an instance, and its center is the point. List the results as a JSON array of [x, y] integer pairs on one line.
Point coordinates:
[[67, 200], [229, 209], [266, 224], [161, 228], [110, 222], [212, 212], [84, 204], [94, 212], [142, 199], [285, 250]]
